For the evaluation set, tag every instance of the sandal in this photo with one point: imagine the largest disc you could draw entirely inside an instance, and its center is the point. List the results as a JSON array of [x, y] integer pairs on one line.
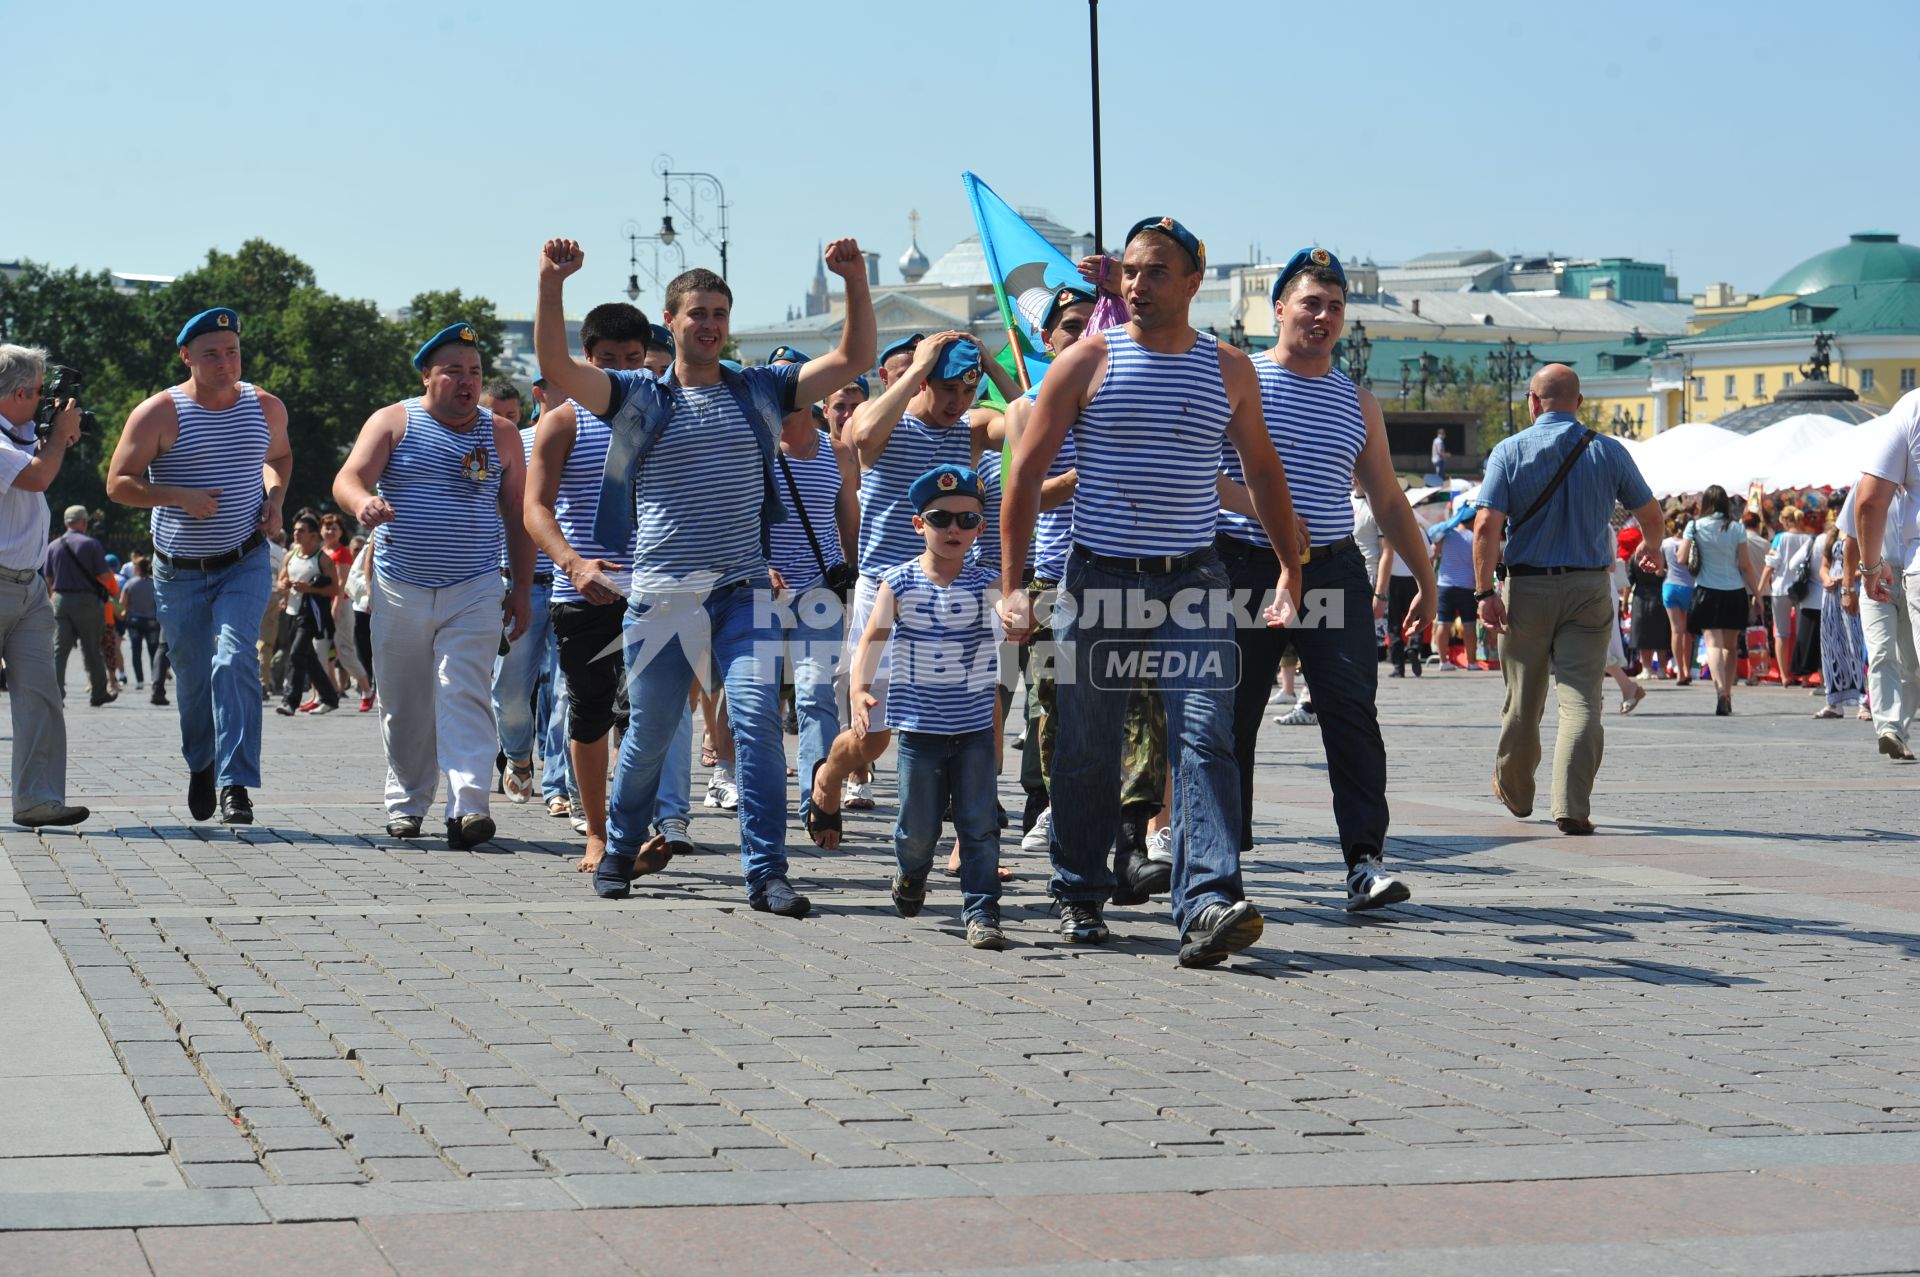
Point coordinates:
[[1826, 711], [1630, 703], [815, 821], [518, 781]]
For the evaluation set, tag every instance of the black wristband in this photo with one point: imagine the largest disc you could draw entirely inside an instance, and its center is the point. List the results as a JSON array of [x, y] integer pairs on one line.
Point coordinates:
[[1480, 596]]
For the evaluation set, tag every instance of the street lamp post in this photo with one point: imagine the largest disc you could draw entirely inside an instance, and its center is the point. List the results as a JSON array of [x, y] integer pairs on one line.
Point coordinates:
[[1353, 352], [695, 184], [636, 234], [1423, 370], [1510, 365]]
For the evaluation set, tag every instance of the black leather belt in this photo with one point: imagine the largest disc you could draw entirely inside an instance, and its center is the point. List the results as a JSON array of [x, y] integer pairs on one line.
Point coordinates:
[[1314, 555], [1527, 569], [539, 578], [1155, 565], [1330, 549], [213, 562]]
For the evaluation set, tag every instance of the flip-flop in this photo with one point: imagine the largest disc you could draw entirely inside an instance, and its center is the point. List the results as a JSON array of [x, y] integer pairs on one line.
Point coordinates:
[[1630, 703]]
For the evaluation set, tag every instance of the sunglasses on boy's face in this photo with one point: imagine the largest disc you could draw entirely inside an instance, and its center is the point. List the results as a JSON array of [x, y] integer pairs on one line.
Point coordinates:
[[949, 518]]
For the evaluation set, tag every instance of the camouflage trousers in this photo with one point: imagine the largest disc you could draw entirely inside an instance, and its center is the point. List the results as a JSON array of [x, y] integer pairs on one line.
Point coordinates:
[[1143, 759]]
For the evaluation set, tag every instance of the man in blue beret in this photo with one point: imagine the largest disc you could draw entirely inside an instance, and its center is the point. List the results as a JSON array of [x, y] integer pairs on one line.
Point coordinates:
[[659, 349], [1332, 437], [1151, 405], [690, 476], [210, 458], [925, 417], [438, 481]]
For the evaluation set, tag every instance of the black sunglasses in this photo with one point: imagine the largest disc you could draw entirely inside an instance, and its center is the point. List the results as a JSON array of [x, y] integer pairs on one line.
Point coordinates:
[[948, 518]]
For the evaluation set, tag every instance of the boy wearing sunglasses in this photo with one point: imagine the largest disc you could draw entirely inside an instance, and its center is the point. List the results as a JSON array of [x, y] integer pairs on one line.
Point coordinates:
[[935, 615]]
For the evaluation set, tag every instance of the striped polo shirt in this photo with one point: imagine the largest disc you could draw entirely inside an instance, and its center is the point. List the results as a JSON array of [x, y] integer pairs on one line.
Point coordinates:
[[223, 450], [986, 549], [444, 487], [886, 515], [817, 479], [1318, 431], [696, 506], [1149, 450], [578, 499], [943, 650]]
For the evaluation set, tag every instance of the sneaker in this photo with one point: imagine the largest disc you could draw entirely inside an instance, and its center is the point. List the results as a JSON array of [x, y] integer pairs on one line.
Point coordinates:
[[1895, 748], [236, 805], [1299, 716], [674, 830], [907, 894], [1040, 837], [285, 710], [49, 813], [1281, 697], [403, 827], [201, 797], [159, 698], [856, 795], [1160, 846], [1221, 929], [985, 933], [721, 791], [366, 704], [324, 707], [518, 781], [469, 830], [1081, 922], [577, 814], [1370, 886], [776, 895], [310, 706]]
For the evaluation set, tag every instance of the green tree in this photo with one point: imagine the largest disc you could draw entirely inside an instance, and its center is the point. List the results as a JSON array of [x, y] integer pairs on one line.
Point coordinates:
[[431, 311]]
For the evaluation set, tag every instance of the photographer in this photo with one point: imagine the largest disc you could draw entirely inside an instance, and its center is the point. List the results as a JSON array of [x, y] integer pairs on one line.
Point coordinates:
[[28, 466]]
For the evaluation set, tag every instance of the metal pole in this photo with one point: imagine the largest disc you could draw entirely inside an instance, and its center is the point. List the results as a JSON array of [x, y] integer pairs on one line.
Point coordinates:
[[1093, 39]]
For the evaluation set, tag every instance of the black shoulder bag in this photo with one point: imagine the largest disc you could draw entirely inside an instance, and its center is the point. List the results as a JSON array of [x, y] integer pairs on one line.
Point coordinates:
[[1546, 494], [838, 577]]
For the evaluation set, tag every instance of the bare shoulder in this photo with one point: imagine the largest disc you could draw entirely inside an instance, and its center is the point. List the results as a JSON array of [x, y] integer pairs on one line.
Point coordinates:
[[155, 410], [390, 421], [271, 405], [1369, 406], [562, 422]]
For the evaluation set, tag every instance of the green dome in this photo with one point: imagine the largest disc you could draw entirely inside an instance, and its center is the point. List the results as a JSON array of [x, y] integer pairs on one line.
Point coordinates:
[[1866, 257]]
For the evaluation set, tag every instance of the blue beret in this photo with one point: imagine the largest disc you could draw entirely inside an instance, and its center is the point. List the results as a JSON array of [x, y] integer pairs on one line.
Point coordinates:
[[787, 355], [1064, 296], [960, 361], [1300, 261], [860, 383], [659, 335], [906, 344], [217, 320], [462, 333], [1195, 246], [945, 481]]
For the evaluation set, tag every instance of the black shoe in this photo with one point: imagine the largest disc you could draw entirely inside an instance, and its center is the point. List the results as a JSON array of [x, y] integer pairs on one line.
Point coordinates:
[[98, 701], [1135, 878], [1005, 820], [236, 805], [201, 798], [1398, 671], [907, 894], [1723, 708], [1081, 922], [613, 876], [776, 895], [1415, 665], [469, 830], [1218, 931], [160, 698], [790, 723], [403, 827]]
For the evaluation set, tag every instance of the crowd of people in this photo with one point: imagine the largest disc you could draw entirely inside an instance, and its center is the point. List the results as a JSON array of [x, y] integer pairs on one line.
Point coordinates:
[[861, 548]]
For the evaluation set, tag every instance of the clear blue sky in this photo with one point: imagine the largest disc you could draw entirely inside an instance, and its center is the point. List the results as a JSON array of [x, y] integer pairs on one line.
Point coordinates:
[[426, 144]]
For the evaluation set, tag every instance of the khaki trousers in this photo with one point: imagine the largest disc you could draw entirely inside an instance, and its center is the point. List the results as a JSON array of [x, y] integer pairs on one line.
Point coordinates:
[[1556, 625]]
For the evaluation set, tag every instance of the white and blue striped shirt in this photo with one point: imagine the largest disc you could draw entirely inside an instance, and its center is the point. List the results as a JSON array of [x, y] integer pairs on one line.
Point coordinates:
[[943, 653], [444, 487], [886, 515], [1053, 529], [223, 450], [986, 549], [818, 481], [542, 565], [1318, 431], [1149, 450], [696, 505], [578, 498]]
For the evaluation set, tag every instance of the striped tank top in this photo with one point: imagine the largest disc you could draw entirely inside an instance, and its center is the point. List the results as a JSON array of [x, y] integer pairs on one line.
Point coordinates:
[[1318, 431], [818, 482], [886, 515], [986, 549], [1149, 450], [223, 450], [542, 565], [943, 652], [578, 499], [444, 487], [696, 506], [1053, 529]]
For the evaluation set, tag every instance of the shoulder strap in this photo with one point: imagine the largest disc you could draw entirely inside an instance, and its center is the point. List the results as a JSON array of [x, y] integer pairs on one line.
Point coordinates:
[[800, 508], [1553, 485]]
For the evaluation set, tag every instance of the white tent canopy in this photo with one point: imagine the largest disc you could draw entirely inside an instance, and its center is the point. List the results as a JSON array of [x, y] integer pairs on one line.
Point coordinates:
[[1663, 459], [1740, 460], [1834, 462]]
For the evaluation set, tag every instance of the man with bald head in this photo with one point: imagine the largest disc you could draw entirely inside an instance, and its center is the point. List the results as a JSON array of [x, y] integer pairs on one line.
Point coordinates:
[[1549, 495]]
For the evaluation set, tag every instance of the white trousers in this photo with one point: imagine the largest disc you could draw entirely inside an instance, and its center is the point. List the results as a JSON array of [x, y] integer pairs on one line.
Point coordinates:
[[435, 649], [1893, 669]]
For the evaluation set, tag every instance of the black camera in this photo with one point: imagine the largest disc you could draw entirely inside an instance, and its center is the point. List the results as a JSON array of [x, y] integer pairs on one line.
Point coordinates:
[[62, 384]]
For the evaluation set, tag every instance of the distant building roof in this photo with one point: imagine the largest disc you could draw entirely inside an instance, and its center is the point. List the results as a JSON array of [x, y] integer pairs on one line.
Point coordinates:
[[1866, 257], [1455, 315], [1888, 307]]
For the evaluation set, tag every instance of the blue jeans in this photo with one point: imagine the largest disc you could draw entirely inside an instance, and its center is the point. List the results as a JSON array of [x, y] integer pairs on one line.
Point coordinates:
[[550, 714], [741, 642], [212, 622], [516, 674], [143, 640], [1090, 702], [816, 640], [933, 768]]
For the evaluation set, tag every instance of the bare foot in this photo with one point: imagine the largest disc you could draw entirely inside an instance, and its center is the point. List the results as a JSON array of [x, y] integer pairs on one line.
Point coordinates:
[[653, 857], [596, 848], [953, 867]]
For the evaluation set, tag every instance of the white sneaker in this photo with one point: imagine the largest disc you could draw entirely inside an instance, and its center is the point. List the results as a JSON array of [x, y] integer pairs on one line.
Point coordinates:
[[721, 791], [1040, 837], [1370, 886], [576, 814], [1160, 846], [1281, 697], [1298, 716]]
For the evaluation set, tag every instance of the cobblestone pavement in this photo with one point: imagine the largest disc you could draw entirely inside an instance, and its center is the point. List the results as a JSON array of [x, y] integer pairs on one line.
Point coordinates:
[[307, 1020]]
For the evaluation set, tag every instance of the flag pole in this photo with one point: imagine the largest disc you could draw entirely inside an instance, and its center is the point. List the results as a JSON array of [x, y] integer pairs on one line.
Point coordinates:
[[1093, 40], [1019, 359]]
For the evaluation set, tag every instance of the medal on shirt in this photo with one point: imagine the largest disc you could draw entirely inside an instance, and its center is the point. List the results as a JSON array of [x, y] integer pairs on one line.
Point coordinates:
[[473, 466]]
